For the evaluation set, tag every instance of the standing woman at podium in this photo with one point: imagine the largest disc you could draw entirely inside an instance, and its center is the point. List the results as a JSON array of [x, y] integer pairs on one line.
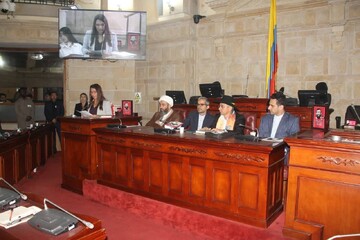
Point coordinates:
[[98, 103], [83, 105]]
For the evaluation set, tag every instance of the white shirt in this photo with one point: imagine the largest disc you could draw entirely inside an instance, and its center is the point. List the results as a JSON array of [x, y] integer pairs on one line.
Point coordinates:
[[275, 125], [68, 49], [200, 122]]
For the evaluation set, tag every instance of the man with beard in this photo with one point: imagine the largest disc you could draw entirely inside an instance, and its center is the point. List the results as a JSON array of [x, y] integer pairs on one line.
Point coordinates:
[[201, 118], [166, 113]]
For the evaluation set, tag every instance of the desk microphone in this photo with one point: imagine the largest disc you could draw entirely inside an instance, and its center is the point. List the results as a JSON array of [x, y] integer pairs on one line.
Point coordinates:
[[252, 129], [54, 221], [23, 196], [355, 112], [86, 223]]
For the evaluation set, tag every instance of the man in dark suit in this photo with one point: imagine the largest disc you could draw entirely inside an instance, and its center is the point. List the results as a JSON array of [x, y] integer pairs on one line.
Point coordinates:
[[52, 110], [279, 123], [228, 119], [200, 118]]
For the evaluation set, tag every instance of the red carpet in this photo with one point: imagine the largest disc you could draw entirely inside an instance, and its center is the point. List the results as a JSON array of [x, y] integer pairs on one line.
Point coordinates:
[[128, 216]]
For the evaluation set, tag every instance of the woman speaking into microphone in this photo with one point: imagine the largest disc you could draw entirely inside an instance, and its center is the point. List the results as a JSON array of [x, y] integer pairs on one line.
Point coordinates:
[[98, 104]]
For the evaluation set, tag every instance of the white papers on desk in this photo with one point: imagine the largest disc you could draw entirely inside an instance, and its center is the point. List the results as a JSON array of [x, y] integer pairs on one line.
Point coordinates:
[[269, 139], [18, 215]]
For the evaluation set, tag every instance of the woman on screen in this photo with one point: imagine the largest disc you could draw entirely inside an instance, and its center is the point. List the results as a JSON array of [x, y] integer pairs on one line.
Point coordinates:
[[98, 103], [100, 41], [68, 44]]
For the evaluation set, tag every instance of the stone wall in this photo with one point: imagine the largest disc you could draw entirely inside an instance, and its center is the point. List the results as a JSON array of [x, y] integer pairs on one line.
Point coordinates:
[[317, 41]]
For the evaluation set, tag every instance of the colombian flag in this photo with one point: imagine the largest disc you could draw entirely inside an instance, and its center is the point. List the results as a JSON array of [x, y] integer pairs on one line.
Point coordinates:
[[272, 55]]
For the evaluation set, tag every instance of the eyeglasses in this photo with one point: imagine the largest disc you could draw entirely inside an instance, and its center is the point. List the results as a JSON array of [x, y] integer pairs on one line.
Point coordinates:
[[201, 104]]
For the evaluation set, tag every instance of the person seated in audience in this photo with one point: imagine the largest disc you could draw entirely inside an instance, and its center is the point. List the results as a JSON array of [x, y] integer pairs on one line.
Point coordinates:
[[83, 105], [166, 114], [228, 119], [278, 123], [98, 103], [24, 109], [201, 118]]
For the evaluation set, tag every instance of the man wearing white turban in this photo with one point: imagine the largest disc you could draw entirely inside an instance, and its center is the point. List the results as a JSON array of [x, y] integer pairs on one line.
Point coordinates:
[[166, 113]]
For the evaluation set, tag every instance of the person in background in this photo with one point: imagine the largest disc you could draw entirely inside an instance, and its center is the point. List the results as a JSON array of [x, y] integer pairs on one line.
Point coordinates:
[[99, 40], [165, 114], [53, 109], [25, 109], [201, 118], [98, 104], [228, 119], [68, 44], [83, 105], [278, 123]]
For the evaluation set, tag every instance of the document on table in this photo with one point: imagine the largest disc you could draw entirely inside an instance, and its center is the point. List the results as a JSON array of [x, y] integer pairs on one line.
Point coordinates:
[[15, 216], [85, 114]]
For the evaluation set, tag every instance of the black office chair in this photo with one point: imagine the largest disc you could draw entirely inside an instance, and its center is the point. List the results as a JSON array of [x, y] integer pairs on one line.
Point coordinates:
[[325, 98], [193, 100], [353, 113]]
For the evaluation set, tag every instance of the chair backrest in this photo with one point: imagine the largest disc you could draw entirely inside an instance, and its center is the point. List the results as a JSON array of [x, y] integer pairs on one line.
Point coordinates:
[[193, 100], [353, 113]]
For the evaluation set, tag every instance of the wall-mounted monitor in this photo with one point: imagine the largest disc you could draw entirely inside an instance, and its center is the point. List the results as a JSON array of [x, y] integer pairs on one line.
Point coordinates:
[[102, 34], [177, 96], [211, 90]]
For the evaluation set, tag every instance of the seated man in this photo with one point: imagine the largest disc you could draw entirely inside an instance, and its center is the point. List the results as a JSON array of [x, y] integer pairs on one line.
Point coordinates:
[[228, 119], [200, 118], [166, 113], [279, 123]]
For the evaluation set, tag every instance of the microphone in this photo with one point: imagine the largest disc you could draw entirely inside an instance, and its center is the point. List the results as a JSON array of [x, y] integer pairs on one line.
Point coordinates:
[[8, 197], [252, 130], [355, 112], [54, 221], [86, 223], [249, 138]]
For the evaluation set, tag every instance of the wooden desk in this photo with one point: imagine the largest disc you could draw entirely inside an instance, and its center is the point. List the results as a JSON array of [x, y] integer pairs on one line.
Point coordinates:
[[229, 178], [25, 231], [23, 152], [78, 142], [323, 186]]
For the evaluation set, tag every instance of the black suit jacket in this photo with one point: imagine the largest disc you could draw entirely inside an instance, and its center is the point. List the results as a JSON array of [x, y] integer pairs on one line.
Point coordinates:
[[78, 107], [53, 110], [240, 119], [192, 120]]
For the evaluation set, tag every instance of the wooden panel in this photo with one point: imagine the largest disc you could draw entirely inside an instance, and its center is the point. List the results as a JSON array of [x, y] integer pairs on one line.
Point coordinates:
[[221, 186], [228, 178], [323, 187], [248, 198], [175, 175], [197, 180]]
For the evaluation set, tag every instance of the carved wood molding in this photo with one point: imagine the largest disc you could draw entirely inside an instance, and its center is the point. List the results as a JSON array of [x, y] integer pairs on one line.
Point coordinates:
[[187, 150], [339, 161], [241, 157], [111, 140], [149, 145]]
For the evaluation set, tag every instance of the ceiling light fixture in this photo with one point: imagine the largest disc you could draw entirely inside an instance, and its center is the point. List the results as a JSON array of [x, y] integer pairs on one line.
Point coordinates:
[[37, 56]]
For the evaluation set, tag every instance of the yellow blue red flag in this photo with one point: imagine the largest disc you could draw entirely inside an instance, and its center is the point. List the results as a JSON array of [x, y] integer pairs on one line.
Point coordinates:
[[272, 55]]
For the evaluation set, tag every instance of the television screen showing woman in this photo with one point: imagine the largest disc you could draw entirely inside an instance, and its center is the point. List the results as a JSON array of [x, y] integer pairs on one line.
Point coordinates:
[[102, 34]]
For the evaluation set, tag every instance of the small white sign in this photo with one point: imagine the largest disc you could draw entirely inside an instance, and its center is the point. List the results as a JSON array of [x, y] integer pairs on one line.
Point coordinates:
[[137, 97]]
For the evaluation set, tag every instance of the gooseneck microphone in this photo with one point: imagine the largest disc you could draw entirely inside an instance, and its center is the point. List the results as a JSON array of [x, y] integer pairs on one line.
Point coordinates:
[[23, 196], [251, 129], [86, 223]]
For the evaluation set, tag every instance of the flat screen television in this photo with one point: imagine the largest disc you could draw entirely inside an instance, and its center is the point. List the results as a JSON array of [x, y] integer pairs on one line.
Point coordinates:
[[211, 90], [177, 96], [308, 98], [100, 34]]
